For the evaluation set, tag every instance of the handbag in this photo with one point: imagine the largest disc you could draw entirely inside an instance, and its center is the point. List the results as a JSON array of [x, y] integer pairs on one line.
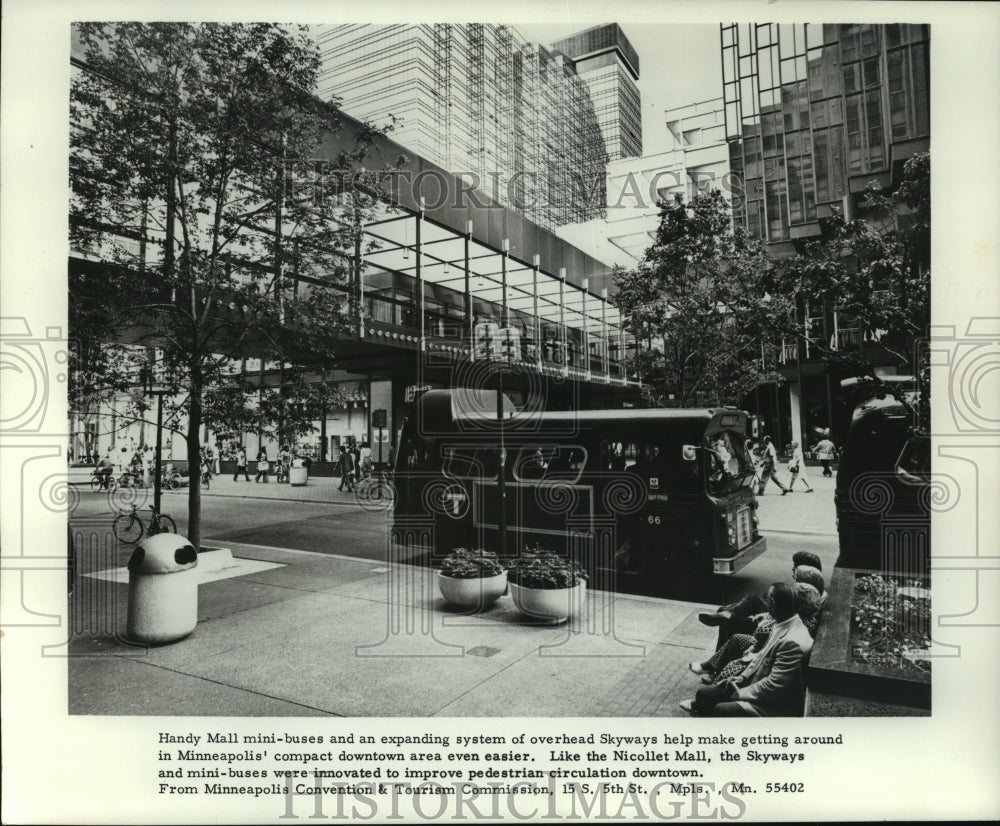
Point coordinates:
[[263, 466]]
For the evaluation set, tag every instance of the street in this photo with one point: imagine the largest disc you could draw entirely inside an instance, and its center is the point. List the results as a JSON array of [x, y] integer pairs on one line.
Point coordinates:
[[320, 519]]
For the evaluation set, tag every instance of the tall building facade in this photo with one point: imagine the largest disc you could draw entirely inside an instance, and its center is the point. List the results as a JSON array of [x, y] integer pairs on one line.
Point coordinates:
[[608, 63], [696, 160], [814, 112], [477, 99]]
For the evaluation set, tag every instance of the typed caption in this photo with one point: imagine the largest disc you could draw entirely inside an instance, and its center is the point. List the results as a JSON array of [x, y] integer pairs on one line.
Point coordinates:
[[382, 777]]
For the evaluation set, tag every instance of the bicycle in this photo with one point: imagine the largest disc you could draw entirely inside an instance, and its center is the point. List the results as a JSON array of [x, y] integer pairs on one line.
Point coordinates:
[[131, 479], [100, 481], [206, 478], [172, 480], [373, 487], [128, 526]]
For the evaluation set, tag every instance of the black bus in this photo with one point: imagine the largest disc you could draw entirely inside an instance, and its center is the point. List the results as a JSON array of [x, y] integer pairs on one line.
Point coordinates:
[[646, 492]]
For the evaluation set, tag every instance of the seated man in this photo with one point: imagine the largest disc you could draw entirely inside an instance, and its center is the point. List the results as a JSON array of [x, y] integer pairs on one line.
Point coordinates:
[[772, 683], [728, 661]]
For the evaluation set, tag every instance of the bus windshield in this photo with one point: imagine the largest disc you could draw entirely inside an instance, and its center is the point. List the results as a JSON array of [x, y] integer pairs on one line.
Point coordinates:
[[729, 463]]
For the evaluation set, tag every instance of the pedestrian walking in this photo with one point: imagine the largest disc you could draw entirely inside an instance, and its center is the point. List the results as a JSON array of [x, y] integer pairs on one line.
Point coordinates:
[[263, 466], [356, 454], [284, 463], [346, 463], [241, 464], [768, 463], [825, 451], [213, 466], [797, 469], [365, 462], [754, 455], [206, 470]]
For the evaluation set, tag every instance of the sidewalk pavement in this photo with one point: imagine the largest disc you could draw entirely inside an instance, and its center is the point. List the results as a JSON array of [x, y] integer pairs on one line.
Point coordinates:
[[799, 512], [313, 634], [292, 633]]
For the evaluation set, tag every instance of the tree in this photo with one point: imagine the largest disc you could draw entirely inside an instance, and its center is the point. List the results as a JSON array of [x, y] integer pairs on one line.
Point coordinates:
[[182, 138], [874, 272], [698, 307]]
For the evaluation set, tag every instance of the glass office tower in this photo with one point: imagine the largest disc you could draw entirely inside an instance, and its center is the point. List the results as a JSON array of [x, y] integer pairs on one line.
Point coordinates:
[[814, 112], [480, 101], [608, 63]]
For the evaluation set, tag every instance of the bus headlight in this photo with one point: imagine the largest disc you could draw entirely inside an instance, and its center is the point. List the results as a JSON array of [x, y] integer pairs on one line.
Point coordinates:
[[732, 535]]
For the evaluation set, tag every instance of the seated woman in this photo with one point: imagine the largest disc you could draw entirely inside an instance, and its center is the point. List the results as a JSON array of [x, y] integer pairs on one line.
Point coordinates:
[[729, 660]]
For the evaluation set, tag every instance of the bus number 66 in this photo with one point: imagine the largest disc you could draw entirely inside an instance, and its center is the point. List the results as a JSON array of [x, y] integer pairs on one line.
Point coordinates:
[[653, 520]]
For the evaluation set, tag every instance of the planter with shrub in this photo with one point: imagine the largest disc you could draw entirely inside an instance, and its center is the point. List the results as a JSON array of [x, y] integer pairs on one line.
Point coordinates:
[[546, 585], [472, 578]]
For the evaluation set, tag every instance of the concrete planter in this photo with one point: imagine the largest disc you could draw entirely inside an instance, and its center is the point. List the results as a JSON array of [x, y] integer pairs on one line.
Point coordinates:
[[211, 558], [855, 685], [478, 593], [553, 604]]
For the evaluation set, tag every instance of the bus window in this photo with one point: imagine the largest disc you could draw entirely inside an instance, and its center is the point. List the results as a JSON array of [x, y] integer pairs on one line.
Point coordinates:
[[614, 454], [648, 459], [418, 453], [469, 462], [567, 464], [729, 464], [532, 462], [562, 463], [619, 455]]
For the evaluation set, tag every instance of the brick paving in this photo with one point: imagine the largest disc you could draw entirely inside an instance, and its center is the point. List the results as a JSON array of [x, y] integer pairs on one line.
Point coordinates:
[[653, 687]]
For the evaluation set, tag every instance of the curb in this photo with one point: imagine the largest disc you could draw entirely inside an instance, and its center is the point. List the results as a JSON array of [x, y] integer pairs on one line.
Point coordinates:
[[204, 493]]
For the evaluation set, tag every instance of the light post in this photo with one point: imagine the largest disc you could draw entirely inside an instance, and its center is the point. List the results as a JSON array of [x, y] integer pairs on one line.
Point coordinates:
[[498, 345]]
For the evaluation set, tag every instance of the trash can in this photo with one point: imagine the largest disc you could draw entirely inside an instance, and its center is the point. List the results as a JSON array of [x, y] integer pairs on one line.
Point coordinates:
[[298, 473], [162, 589]]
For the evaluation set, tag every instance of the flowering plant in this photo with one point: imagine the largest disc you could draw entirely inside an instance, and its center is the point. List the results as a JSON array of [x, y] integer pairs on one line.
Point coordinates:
[[891, 622], [541, 568], [463, 563]]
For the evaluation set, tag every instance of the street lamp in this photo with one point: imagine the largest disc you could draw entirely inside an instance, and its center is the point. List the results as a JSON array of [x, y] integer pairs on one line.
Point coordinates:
[[498, 345]]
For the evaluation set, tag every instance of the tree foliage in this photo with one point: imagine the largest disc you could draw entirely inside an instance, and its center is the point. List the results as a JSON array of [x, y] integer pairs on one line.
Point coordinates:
[[184, 140], [698, 306], [874, 272]]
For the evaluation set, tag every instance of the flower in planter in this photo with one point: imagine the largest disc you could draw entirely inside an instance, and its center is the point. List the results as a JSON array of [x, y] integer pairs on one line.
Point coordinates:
[[541, 568], [890, 623], [463, 563]]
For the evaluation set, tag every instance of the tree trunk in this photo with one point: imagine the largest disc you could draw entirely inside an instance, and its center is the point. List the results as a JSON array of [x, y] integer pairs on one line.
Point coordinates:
[[194, 459]]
